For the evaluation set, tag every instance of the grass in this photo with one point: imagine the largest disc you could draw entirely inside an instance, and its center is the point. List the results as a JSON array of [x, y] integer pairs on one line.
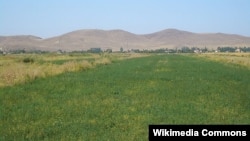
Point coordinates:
[[237, 59], [118, 101], [17, 69]]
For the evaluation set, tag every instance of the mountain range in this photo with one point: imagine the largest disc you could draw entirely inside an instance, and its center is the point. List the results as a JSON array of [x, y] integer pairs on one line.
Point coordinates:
[[115, 39]]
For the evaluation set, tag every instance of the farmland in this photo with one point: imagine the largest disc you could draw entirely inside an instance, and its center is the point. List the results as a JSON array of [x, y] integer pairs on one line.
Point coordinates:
[[116, 96]]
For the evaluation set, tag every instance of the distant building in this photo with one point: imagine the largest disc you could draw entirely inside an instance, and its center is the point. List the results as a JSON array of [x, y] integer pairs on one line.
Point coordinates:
[[197, 51], [2, 51], [238, 50]]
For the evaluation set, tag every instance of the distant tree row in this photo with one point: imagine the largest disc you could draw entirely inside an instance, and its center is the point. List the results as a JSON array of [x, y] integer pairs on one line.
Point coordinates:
[[21, 51], [233, 49], [176, 50], [183, 49]]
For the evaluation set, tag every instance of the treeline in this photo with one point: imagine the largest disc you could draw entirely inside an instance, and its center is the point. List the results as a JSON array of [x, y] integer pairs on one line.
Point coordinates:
[[233, 49], [166, 50], [21, 51], [184, 49], [195, 50]]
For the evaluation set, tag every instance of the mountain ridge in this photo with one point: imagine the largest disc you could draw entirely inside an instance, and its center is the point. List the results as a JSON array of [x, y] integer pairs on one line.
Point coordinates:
[[85, 39]]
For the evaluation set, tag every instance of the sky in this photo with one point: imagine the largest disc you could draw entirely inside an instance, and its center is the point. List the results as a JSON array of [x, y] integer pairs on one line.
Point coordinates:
[[48, 18]]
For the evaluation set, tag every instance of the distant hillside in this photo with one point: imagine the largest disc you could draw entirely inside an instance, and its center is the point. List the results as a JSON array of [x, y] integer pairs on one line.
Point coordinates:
[[177, 38], [85, 39], [115, 39]]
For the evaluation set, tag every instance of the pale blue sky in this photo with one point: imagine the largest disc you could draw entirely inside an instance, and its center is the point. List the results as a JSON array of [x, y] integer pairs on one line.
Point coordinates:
[[47, 18]]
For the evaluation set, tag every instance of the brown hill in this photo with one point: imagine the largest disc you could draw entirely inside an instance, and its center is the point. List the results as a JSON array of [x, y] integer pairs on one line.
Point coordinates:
[[176, 38], [85, 39], [19, 42], [115, 39]]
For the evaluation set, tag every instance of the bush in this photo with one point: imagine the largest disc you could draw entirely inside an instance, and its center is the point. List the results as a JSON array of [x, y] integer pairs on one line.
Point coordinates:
[[28, 60]]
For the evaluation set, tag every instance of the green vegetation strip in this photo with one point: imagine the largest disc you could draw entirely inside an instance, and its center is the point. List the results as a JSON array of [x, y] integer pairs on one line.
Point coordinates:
[[119, 100]]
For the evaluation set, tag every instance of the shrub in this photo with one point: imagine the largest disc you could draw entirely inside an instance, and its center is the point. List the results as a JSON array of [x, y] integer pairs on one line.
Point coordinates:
[[28, 60]]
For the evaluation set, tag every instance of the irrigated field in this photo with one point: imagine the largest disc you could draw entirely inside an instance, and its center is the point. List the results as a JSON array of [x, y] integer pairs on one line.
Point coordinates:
[[119, 100]]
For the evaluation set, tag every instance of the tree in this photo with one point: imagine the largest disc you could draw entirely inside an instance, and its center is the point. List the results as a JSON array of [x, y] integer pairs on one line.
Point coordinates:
[[121, 49]]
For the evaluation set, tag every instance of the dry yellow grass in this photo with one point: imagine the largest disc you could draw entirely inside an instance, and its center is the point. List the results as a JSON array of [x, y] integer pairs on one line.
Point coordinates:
[[14, 71], [102, 61], [242, 59], [74, 66]]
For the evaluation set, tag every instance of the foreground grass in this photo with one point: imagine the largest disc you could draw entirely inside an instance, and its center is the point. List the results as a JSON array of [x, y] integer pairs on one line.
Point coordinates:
[[118, 101]]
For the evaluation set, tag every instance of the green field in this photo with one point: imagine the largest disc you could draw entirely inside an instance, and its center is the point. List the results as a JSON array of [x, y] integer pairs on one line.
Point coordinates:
[[118, 101]]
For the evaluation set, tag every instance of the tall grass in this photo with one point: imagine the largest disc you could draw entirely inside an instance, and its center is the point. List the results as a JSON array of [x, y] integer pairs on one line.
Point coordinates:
[[238, 59], [17, 73], [16, 69]]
